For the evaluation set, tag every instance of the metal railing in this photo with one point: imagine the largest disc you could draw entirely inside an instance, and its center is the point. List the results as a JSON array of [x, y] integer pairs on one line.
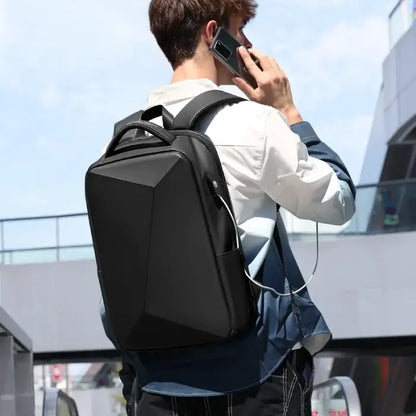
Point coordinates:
[[45, 239], [381, 208], [400, 20], [337, 396]]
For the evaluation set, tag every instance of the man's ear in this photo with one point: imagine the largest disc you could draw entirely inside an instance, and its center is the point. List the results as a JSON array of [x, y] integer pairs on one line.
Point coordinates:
[[209, 30]]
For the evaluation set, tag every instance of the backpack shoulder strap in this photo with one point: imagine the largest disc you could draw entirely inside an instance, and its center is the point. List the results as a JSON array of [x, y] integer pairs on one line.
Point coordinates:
[[200, 105]]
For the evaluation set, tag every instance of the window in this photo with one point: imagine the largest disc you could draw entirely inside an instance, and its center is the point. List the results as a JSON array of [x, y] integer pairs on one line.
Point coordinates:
[[411, 137], [413, 171], [397, 162]]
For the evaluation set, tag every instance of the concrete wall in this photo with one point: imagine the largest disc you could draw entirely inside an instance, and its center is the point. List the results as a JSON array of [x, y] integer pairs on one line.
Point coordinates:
[[396, 104], [376, 148], [399, 78], [365, 286], [56, 304]]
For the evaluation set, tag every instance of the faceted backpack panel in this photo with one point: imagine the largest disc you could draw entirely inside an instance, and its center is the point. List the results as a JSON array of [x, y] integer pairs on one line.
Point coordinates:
[[136, 263]]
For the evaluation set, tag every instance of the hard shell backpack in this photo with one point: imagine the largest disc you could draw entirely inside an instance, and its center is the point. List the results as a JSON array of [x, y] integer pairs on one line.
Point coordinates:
[[170, 264]]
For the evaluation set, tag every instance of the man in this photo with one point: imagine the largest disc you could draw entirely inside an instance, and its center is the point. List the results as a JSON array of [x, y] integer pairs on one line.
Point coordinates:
[[269, 156]]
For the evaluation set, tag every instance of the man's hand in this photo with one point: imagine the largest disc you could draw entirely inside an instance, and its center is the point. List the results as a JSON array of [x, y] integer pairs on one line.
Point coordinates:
[[273, 87]]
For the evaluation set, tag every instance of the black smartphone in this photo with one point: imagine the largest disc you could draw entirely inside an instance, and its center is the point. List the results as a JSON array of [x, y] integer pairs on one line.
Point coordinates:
[[224, 48]]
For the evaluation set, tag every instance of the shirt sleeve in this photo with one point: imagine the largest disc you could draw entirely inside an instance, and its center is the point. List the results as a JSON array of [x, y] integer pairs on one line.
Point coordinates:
[[304, 175]]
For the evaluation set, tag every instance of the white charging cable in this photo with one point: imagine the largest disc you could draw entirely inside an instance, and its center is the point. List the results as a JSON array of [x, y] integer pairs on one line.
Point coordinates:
[[293, 292]]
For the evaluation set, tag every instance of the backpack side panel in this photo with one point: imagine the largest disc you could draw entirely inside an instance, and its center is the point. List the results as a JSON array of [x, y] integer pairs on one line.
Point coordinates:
[[230, 259]]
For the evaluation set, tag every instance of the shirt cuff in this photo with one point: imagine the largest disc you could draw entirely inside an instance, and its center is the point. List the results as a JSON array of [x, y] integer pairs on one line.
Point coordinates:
[[304, 130]]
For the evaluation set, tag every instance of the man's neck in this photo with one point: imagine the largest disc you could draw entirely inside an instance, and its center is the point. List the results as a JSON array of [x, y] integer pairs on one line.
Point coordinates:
[[196, 68]]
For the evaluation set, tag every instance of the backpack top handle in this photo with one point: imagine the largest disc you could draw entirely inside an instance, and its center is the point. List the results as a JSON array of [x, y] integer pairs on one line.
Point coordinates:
[[157, 131]]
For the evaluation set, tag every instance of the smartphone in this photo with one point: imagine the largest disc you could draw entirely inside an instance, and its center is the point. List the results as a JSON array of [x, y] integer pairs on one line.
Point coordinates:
[[224, 48]]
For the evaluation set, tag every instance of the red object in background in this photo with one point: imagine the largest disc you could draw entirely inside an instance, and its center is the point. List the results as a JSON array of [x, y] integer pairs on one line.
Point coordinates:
[[57, 373]]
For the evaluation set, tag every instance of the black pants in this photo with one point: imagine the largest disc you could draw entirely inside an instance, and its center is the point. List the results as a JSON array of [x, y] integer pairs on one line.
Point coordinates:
[[286, 393]]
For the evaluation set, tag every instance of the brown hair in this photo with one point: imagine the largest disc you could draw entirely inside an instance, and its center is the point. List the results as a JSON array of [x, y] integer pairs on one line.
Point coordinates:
[[176, 24]]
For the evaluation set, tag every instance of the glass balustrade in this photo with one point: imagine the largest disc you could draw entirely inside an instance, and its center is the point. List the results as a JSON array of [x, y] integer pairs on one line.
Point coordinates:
[[384, 208], [380, 209], [45, 239]]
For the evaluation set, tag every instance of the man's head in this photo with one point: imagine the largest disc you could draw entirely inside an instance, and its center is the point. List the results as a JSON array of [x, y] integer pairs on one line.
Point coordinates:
[[179, 25]]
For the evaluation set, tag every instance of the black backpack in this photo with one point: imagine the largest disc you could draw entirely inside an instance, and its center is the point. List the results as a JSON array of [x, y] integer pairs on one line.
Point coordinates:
[[169, 258]]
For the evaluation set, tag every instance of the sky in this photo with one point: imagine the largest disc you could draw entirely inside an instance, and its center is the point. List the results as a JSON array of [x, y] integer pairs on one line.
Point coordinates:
[[70, 69]]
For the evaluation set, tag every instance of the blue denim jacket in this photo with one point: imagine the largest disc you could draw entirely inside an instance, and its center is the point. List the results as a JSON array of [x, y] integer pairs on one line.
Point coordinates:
[[252, 357]]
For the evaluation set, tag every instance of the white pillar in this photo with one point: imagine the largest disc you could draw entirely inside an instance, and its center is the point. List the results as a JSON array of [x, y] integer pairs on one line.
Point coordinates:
[[7, 387], [24, 389]]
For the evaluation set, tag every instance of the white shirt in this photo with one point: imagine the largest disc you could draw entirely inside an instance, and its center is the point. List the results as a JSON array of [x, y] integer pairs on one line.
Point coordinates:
[[264, 163]]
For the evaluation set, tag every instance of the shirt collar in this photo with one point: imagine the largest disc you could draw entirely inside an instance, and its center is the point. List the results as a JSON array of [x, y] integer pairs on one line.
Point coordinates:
[[180, 91]]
